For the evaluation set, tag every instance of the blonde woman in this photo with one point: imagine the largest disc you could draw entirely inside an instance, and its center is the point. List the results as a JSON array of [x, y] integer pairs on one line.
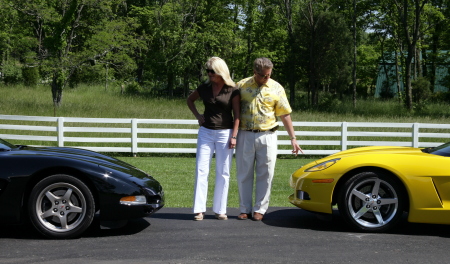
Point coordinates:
[[217, 134]]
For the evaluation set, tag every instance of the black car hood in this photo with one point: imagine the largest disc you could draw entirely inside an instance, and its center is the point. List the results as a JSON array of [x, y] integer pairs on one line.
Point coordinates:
[[81, 155]]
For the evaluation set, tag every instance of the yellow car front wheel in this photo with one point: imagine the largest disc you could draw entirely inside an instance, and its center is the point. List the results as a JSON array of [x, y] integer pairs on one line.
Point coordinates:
[[372, 201]]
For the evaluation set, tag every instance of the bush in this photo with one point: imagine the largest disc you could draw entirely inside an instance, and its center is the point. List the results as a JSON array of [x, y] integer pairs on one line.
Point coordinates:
[[133, 87], [446, 80], [362, 90], [421, 90], [329, 102], [439, 97], [30, 76], [386, 91], [94, 74], [12, 74]]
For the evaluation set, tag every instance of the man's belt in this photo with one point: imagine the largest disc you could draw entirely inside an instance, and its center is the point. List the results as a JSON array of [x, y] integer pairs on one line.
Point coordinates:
[[259, 130]]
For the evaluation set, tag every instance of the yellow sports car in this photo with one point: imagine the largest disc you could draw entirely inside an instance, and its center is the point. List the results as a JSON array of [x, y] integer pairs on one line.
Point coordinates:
[[373, 186]]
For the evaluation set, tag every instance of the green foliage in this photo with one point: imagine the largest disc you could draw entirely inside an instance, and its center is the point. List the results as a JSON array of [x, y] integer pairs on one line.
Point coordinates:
[[133, 88], [93, 75], [446, 80], [70, 35], [12, 73], [421, 93], [30, 76], [329, 102], [327, 53], [163, 45], [30, 71], [386, 92], [421, 90], [367, 61]]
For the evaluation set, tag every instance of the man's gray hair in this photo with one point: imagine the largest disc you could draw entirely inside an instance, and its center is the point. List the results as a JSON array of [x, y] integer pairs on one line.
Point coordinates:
[[262, 63]]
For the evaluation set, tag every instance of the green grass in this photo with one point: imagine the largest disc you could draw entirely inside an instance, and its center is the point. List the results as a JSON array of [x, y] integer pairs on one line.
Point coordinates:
[[177, 176], [95, 101], [89, 101], [98, 102]]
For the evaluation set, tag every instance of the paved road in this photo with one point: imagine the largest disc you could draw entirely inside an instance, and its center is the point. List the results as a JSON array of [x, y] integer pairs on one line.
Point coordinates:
[[286, 235]]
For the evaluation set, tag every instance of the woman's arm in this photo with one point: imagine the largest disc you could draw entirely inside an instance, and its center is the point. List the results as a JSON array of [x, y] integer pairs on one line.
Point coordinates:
[[236, 104], [191, 104]]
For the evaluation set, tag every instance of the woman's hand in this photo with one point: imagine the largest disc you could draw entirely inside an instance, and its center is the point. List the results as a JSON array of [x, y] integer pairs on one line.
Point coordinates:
[[201, 119], [232, 143]]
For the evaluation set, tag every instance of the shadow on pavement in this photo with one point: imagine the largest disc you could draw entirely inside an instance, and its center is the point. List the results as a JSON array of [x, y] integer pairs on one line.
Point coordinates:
[[292, 217], [26, 231], [296, 218], [287, 217]]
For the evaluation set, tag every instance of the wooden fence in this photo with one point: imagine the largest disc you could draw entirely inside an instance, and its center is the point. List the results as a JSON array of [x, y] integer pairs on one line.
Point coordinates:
[[179, 136]]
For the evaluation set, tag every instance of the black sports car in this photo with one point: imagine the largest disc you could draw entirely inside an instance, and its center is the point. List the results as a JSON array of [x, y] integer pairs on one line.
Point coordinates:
[[60, 189]]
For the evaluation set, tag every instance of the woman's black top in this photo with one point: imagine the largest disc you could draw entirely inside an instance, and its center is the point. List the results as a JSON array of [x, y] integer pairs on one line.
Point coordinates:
[[218, 110]]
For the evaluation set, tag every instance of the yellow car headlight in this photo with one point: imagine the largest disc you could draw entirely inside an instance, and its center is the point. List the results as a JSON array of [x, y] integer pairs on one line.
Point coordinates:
[[322, 166]]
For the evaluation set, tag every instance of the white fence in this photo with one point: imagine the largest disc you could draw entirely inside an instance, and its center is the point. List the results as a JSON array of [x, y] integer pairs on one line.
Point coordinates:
[[179, 136]]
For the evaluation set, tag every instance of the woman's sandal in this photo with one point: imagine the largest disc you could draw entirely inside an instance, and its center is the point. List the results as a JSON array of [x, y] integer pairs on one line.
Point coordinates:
[[199, 216], [221, 216]]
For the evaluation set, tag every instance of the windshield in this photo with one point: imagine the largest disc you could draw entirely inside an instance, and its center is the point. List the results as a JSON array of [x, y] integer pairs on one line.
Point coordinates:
[[442, 150], [4, 145]]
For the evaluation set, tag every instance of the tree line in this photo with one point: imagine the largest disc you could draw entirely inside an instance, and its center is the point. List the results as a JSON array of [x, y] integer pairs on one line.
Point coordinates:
[[320, 48]]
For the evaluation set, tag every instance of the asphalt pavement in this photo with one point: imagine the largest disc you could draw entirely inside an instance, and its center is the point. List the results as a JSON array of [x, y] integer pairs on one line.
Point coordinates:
[[286, 235]]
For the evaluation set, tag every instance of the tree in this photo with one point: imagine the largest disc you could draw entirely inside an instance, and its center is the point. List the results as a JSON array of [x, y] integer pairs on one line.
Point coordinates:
[[180, 36], [438, 28], [161, 46], [14, 44], [411, 28], [411, 16], [74, 33], [326, 37], [289, 11]]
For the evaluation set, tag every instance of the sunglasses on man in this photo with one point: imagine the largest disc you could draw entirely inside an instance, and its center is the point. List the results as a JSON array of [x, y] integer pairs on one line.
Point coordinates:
[[264, 76]]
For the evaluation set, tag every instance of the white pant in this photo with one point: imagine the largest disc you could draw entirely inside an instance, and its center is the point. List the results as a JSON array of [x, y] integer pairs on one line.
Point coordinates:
[[255, 152], [209, 141]]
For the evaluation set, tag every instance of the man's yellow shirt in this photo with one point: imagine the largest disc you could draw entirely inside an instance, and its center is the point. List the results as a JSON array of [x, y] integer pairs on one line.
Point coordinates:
[[260, 105]]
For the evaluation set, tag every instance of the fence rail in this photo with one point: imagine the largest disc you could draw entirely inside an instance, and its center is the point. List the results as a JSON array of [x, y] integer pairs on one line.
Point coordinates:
[[179, 136]]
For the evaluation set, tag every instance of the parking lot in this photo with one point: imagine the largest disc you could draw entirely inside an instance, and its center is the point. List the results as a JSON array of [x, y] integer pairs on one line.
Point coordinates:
[[286, 235]]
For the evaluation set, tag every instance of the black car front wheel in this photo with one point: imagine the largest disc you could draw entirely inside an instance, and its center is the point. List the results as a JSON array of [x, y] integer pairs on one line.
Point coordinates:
[[61, 206], [372, 201]]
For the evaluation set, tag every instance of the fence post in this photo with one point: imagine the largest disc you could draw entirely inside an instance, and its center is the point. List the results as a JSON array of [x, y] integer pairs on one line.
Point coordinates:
[[344, 135], [60, 129], [134, 144], [415, 135]]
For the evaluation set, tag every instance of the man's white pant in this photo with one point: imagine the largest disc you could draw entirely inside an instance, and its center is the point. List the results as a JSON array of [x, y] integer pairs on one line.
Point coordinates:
[[209, 141], [255, 152]]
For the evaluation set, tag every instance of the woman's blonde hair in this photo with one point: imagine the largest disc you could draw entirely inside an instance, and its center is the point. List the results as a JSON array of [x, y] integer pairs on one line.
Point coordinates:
[[220, 68]]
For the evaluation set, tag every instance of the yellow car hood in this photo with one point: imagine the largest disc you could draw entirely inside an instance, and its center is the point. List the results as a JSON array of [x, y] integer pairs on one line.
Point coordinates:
[[376, 150]]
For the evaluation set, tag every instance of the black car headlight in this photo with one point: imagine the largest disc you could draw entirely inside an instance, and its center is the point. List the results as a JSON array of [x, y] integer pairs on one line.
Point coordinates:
[[133, 200]]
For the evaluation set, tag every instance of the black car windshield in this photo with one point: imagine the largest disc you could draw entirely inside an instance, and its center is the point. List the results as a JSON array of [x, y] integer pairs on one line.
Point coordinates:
[[4, 145], [442, 150]]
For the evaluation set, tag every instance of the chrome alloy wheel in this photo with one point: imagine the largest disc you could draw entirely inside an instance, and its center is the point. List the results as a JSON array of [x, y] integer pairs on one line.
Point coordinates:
[[61, 207], [373, 203]]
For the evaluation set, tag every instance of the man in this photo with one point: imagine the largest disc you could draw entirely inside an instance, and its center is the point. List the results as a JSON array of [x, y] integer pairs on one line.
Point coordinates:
[[262, 100]]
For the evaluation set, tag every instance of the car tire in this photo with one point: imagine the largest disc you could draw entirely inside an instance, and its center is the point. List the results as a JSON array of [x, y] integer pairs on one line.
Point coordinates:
[[61, 206], [372, 201]]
